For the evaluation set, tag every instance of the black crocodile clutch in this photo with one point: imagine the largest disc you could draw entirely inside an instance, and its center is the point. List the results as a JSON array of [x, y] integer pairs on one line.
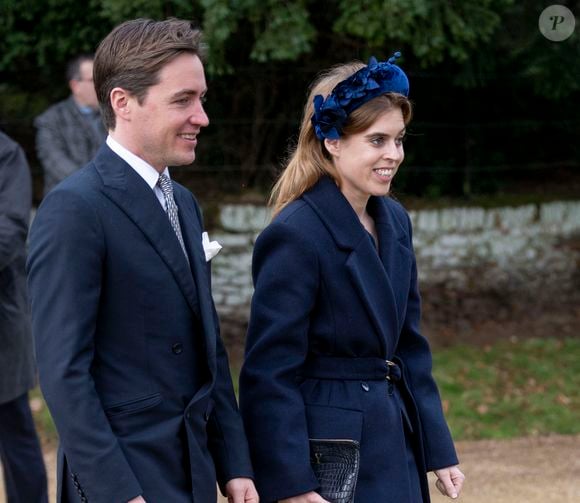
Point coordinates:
[[335, 463]]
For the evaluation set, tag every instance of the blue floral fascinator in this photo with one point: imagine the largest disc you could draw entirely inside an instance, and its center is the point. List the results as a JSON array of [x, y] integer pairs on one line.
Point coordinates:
[[373, 80]]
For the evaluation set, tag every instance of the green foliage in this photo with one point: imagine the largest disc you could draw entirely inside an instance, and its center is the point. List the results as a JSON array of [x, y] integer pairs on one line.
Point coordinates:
[[433, 29], [511, 389], [117, 11], [281, 31], [38, 37], [284, 31], [490, 90]]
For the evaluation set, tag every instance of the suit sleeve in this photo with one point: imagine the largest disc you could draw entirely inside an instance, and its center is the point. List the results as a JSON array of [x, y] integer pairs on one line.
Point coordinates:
[[65, 262], [15, 201], [414, 350], [286, 278], [226, 437]]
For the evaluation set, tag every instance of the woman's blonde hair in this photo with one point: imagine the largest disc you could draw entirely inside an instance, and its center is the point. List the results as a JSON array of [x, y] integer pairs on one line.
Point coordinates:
[[310, 160]]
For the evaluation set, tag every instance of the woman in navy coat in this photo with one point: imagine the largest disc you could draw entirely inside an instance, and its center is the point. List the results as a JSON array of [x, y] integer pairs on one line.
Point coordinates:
[[334, 349]]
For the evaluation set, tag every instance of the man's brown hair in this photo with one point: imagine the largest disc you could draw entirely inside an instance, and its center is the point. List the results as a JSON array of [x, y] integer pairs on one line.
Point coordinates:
[[132, 55]]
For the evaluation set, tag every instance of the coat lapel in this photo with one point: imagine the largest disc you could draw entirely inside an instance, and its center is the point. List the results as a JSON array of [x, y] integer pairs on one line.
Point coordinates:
[[370, 274], [124, 187], [396, 257]]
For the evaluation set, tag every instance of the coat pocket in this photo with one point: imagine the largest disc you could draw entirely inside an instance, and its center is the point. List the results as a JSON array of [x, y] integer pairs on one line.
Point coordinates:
[[135, 405], [326, 422]]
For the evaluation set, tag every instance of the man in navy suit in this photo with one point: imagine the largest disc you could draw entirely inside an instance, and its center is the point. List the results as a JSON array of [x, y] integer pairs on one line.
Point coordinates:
[[130, 359]]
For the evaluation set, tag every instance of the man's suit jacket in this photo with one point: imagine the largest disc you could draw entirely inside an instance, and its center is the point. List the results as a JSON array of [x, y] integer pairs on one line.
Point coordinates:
[[328, 310], [66, 140], [17, 372], [130, 359]]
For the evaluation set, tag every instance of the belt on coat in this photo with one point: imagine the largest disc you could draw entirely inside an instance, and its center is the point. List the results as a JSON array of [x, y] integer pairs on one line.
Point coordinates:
[[350, 368]]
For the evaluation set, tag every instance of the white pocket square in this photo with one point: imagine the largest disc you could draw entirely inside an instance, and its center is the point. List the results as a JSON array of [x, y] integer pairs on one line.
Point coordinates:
[[211, 248]]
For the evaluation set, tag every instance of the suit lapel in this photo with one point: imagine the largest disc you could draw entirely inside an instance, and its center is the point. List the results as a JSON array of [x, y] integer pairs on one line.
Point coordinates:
[[366, 267], [191, 229], [124, 187]]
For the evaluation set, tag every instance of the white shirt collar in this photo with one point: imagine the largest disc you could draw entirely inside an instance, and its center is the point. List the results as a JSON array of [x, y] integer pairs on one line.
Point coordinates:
[[144, 169]]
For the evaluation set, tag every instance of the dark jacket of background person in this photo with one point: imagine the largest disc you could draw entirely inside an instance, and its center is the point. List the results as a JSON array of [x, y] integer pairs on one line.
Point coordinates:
[[17, 370], [66, 139]]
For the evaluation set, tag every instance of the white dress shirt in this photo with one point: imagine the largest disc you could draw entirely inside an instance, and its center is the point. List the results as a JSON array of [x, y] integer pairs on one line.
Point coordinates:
[[143, 169]]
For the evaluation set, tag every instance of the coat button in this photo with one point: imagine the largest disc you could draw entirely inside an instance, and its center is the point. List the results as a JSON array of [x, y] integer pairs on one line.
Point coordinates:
[[177, 348], [187, 415]]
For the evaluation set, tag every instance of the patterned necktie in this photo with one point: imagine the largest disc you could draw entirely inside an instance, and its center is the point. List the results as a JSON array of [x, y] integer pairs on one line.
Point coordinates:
[[171, 208]]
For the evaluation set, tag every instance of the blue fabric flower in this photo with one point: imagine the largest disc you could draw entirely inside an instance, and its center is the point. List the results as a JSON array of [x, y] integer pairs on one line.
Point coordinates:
[[373, 80]]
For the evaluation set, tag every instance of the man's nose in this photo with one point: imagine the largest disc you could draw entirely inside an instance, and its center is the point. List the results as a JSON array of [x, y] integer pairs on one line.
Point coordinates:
[[199, 116]]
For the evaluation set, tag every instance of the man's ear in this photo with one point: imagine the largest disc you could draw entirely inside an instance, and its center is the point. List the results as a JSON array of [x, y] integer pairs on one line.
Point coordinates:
[[121, 103], [333, 147]]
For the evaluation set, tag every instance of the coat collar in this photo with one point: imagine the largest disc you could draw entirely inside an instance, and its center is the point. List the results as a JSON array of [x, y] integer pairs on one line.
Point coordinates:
[[124, 187], [341, 220], [381, 279]]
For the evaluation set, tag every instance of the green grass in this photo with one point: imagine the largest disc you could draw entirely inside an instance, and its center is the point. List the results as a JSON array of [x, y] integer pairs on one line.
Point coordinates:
[[42, 418], [510, 389]]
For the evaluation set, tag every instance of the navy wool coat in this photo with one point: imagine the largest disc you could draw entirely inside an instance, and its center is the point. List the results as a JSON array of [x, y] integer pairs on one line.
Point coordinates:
[[326, 303], [129, 355]]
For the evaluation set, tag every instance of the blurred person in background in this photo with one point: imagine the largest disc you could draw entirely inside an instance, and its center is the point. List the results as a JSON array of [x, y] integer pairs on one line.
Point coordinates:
[[70, 132]]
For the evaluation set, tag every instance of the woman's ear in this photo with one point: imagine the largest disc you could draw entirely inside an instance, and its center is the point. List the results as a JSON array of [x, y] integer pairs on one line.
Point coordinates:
[[333, 147]]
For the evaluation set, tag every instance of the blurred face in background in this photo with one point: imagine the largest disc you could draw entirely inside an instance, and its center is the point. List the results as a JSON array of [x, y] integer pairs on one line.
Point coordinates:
[[83, 88]]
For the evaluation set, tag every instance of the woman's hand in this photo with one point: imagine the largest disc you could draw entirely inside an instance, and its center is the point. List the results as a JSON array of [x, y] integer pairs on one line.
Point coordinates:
[[450, 481], [310, 497]]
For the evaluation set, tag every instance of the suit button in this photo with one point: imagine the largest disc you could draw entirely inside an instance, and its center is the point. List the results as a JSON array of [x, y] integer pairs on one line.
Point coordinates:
[[177, 348], [187, 415]]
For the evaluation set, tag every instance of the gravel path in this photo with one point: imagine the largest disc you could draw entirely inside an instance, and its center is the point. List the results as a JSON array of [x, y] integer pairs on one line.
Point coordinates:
[[523, 470]]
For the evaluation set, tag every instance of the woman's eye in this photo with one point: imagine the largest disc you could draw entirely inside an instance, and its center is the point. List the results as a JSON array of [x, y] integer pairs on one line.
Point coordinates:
[[399, 140], [379, 140]]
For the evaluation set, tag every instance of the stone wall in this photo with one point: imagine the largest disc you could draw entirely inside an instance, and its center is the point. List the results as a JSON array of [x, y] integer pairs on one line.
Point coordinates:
[[475, 264]]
